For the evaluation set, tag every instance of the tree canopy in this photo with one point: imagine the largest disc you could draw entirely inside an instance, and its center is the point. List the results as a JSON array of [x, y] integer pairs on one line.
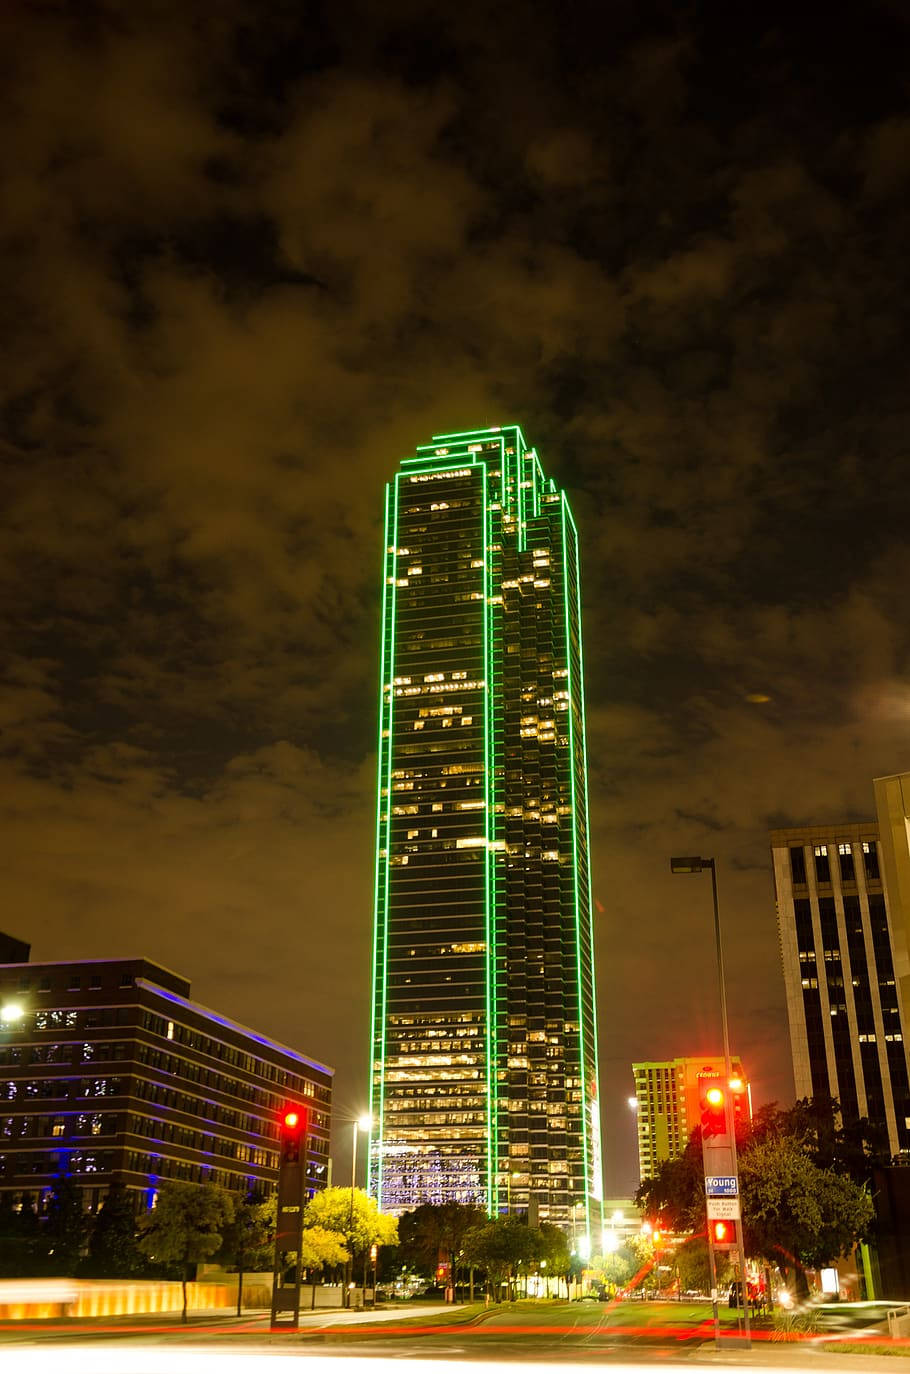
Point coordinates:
[[320, 1249], [801, 1180], [114, 1251], [796, 1213], [353, 1215], [432, 1230], [186, 1225]]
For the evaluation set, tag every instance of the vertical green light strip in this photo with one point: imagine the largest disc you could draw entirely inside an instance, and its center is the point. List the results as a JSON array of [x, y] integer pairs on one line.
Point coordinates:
[[489, 887], [584, 746], [520, 471], [388, 846], [386, 561], [581, 1037]]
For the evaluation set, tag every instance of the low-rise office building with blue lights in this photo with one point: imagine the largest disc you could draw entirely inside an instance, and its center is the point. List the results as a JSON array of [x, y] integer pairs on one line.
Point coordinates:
[[110, 1073]]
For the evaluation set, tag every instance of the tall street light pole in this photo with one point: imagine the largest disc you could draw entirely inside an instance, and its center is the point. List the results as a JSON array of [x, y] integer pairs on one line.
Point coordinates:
[[362, 1123], [695, 864]]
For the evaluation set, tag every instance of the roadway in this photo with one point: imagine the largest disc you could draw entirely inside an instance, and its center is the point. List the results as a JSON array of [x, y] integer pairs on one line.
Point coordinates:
[[424, 1340]]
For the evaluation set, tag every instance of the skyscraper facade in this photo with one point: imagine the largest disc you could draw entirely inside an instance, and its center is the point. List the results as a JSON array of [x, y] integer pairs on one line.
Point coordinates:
[[838, 958], [484, 1055], [668, 1094]]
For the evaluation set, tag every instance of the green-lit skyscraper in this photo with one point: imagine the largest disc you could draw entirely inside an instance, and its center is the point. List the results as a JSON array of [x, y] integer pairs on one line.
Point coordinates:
[[484, 1055]]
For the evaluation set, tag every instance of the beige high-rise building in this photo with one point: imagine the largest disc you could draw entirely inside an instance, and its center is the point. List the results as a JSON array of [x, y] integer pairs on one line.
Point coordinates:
[[892, 804], [843, 908], [668, 1093]]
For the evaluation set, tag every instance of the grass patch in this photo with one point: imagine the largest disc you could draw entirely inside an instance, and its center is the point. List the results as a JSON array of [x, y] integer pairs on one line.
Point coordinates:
[[864, 1348]]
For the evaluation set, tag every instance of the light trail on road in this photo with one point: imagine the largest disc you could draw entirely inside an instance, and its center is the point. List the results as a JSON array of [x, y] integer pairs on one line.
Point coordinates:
[[173, 1359]]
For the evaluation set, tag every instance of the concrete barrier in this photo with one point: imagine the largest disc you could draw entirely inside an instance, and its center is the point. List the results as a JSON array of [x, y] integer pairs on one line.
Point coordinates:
[[37, 1299]]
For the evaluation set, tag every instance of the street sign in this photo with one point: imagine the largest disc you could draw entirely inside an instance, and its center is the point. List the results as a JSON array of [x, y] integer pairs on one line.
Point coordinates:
[[722, 1185], [723, 1209]]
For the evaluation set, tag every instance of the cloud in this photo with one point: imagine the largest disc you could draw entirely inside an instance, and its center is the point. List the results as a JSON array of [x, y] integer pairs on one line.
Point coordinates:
[[253, 264]]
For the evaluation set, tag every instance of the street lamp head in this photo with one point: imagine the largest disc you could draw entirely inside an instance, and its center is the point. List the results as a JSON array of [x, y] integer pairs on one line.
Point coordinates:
[[12, 1011], [633, 1103], [365, 1122], [689, 864]]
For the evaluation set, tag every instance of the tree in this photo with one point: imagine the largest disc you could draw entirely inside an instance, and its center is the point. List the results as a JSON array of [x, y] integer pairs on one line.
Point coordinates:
[[186, 1225], [357, 1218], [320, 1249], [22, 1250], [249, 1239], [66, 1226], [674, 1198], [353, 1216], [553, 1250], [795, 1213], [618, 1267], [694, 1267], [800, 1176], [854, 1149], [113, 1247], [432, 1230], [498, 1247]]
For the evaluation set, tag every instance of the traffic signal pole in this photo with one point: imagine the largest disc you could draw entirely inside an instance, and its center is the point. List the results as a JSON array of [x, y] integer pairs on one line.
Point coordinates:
[[289, 1219], [730, 1123]]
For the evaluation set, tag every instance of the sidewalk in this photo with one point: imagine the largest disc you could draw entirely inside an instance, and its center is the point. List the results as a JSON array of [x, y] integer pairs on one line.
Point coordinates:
[[205, 1321]]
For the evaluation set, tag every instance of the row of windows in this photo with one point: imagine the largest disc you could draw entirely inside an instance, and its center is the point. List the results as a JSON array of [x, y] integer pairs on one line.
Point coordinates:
[[218, 1082], [846, 859], [225, 1053], [74, 1162], [84, 1123]]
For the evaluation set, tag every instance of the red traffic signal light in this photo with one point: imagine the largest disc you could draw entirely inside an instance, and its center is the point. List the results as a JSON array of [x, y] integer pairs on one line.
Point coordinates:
[[713, 1111], [723, 1234], [291, 1133]]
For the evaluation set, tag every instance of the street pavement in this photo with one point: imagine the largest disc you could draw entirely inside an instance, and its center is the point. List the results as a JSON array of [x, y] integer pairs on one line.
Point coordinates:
[[544, 1333]]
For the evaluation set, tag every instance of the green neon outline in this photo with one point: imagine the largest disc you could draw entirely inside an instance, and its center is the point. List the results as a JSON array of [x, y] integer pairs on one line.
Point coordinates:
[[571, 714], [519, 436], [489, 881], [388, 845], [584, 747], [519, 477], [386, 560]]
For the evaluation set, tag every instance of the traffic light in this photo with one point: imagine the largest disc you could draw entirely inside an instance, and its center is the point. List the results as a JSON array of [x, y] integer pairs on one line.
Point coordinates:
[[723, 1234], [713, 1111], [292, 1132]]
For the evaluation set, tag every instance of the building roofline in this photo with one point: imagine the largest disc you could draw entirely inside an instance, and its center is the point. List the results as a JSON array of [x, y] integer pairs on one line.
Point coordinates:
[[230, 1024], [127, 959], [853, 830]]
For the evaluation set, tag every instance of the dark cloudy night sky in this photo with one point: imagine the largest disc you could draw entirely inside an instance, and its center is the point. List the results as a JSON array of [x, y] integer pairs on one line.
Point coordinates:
[[253, 254]]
